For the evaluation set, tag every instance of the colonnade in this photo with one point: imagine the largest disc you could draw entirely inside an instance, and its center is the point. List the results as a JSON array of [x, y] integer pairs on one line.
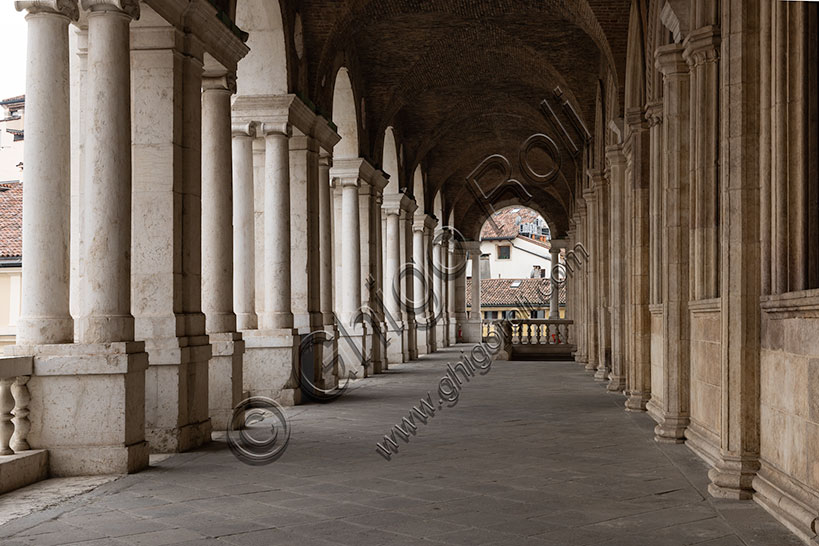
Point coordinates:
[[204, 234]]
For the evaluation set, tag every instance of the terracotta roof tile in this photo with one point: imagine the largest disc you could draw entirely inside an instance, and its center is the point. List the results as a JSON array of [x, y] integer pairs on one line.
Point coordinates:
[[499, 292], [11, 219], [505, 225]]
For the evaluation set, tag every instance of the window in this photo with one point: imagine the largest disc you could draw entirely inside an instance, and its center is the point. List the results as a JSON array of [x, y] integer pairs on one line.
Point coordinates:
[[504, 252]]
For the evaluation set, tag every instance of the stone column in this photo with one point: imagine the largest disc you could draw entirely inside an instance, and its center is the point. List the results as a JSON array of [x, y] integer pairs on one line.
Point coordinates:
[[94, 381], [578, 273], [590, 295], [472, 333], [407, 285], [554, 292], [637, 153], [395, 284], [702, 55], [350, 250], [451, 265], [445, 287], [673, 417], [421, 300], [601, 274], [107, 200], [429, 251], [166, 245], [326, 240], [459, 289], [438, 288], [244, 241], [738, 459], [225, 368], [617, 254], [277, 290], [45, 316], [392, 286], [373, 183]]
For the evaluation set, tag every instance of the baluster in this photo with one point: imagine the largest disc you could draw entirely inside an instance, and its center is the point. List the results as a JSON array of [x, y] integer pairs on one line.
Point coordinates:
[[532, 333], [538, 333], [6, 406], [19, 440]]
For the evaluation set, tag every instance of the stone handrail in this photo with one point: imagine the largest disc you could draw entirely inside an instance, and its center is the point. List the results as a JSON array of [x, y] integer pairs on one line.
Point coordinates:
[[15, 371], [532, 331]]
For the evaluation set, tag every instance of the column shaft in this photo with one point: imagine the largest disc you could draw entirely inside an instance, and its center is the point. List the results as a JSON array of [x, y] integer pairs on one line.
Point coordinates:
[[350, 250], [277, 313], [325, 239], [244, 241], [217, 222], [107, 196], [45, 316], [554, 295]]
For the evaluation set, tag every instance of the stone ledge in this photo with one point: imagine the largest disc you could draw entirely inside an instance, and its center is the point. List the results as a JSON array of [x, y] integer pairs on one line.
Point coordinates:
[[22, 469], [704, 306], [801, 304]]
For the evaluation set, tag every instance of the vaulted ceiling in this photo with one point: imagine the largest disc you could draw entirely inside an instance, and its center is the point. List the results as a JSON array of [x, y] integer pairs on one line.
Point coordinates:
[[462, 80]]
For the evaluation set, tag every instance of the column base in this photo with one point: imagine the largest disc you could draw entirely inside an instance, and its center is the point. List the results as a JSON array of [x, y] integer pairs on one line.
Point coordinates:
[[268, 364], [176, 393], [225, 377], [637, 401], [422, 338], [395, 346], [732, 478], [617, 383], [472, 333], [601, 374], [671, 429], [412, 339], [352, 351], [74, 389], [591, 365]]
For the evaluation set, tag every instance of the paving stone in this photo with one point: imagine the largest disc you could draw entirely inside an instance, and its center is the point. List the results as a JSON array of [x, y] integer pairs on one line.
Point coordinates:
[[535, 453]]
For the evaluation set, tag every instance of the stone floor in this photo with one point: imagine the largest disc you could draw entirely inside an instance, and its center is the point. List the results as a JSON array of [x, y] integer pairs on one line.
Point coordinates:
[[534, 453]]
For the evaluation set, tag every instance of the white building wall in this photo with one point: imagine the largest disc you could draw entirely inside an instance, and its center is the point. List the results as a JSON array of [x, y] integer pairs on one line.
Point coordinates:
[[524, 254]]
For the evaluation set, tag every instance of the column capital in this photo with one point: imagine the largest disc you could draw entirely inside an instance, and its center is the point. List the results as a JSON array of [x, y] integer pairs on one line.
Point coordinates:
[[636, 119], [472, 246], [558, 244], [67, 8], [654, 113], [272, 128], [361, 169], [615, 156], [669, 60], [424, 222], [395, 203], [702, 45], [247, 129], [346, 181], [598, 179], [128, 7], [325, 159], [224, 82], [277, 109], [590, 196]]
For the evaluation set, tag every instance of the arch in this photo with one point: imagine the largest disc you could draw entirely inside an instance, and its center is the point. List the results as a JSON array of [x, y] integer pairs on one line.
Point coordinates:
[[264, 70], [470, 224], [438, 207], [345, 116], [389, 161], [418, 188]]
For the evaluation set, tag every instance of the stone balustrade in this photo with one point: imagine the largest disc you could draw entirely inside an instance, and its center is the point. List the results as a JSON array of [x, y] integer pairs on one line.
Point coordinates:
[[19, 464], [533, 338], [14, 398]]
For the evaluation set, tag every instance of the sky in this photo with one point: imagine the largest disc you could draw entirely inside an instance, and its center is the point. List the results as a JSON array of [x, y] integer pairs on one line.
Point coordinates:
[[12, 51]]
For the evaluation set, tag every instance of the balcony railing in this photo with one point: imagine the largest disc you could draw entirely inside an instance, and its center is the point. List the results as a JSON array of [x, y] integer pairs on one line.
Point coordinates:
[[533, 338], [14, 399]]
